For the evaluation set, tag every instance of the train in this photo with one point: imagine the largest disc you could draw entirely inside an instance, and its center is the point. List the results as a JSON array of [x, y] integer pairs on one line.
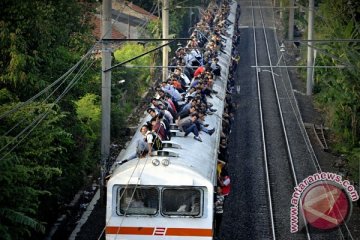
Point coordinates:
[[170, 194]]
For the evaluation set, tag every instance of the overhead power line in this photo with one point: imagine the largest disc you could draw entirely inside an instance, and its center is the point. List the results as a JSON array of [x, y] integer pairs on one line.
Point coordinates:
[[27, 130]]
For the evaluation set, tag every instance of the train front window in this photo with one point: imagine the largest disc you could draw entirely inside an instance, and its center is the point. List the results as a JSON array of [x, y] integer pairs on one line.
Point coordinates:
[[138, 201], [181, 202]]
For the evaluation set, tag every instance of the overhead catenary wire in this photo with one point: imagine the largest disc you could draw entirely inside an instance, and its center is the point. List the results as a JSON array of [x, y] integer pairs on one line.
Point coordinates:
[[142, 25], [69, 71], [297, 114], [122, 194], [41, 117], [63, 78], [44, 100], [126, 186]]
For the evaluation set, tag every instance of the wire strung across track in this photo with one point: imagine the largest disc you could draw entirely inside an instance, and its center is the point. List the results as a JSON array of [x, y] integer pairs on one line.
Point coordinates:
[[82, 66], [261, 79]]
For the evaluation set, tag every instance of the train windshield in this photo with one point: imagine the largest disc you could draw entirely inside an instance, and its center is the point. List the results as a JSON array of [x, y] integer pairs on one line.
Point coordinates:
[[138, 201], [181, 202]]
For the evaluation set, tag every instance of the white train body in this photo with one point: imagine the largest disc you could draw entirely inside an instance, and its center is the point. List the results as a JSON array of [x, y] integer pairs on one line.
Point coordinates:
[[177, 188]]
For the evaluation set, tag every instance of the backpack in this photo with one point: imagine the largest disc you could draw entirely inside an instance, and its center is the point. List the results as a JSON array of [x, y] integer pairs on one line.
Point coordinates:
[[167, 129], [157, 143]]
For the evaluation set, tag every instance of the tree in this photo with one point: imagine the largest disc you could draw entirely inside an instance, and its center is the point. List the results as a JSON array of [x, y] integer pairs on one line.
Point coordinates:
[[338, 90], [26, 172], [45, 149]]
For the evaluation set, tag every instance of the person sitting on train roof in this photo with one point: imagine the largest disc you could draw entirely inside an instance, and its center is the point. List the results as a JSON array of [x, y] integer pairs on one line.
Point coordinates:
[[174, 82], [190, 94], [165, 115], [198, 71], [168, 101], [187, 72], [215, 67], [182, 77], [200, 95], [143, 145], [163, 120], [188, 104], [188, 125], [159, 105], [201, 124], [186, 112], [158, 128], [175, 95]]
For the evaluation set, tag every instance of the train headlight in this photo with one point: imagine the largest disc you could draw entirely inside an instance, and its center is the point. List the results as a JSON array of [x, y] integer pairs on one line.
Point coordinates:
[[156, 162], [165, 162]]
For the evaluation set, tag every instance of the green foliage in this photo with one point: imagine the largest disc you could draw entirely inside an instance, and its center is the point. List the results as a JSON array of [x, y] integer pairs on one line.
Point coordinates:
[[135, 84], [354, 162], [33, 38], [126, 96], [25, 173], [45, 162], [89, 112], [154, 28], [43, 166], [338, 90]]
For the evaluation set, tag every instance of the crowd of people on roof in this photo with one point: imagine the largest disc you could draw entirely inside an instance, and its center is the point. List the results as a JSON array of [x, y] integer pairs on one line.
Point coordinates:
[[183, 97]]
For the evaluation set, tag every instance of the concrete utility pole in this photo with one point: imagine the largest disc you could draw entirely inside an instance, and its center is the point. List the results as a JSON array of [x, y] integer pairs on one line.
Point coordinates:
[[291, 20], [105, 92], [165, 35], [310, 50]]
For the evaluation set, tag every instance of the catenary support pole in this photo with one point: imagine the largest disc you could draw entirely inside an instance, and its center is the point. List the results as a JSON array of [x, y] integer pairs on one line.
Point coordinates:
[[105, 93], [165, 35], [310, 50], [291, 20]]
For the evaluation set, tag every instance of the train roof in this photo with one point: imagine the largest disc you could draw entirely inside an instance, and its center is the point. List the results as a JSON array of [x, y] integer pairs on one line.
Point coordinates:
[[193, 159]]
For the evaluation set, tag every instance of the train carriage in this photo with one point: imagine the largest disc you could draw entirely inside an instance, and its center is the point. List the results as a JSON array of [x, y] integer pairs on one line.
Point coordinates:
[[170, 194]]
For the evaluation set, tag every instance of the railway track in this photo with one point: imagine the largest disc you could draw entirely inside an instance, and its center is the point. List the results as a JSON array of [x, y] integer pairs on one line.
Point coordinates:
[[276, 153], [280, 151]]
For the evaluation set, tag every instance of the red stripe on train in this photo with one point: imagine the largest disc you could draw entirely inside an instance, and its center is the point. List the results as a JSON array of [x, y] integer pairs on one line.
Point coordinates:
[[190, 232]]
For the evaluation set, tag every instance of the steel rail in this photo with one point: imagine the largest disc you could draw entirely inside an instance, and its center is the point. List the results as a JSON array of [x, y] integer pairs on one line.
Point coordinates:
[[263, 131], [300, 122], [288, 149]]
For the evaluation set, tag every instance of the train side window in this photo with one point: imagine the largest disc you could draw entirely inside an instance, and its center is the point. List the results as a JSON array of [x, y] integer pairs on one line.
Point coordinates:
[[137, 200], [181, 202]]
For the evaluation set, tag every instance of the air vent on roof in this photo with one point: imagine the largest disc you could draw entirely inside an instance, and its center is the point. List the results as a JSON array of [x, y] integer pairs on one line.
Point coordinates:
[[171, 145], [174, 127], [177, 133], [164, 153]]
